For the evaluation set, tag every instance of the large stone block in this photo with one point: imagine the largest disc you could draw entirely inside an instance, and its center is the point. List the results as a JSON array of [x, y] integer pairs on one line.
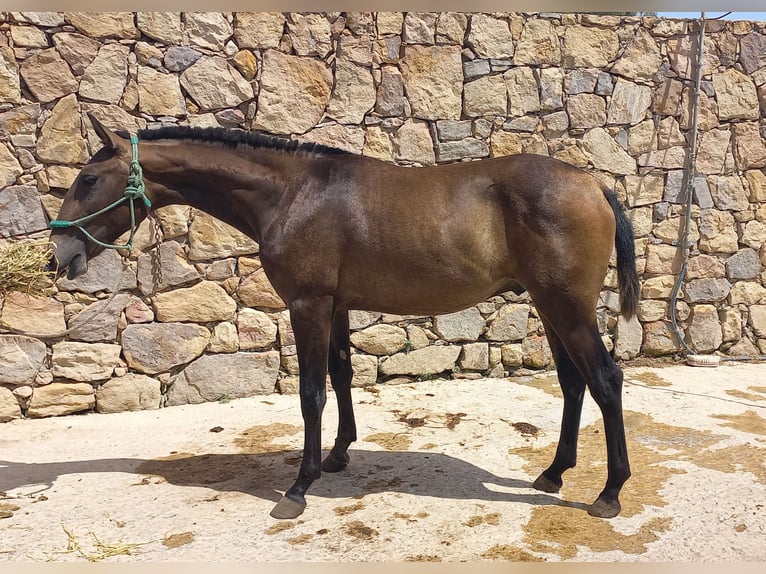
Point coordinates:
[[433, 76], [84, 361], [157, 347], [59, 399], [466, 325], [427, 361], [205, 301], [128, 393], [21, 358]]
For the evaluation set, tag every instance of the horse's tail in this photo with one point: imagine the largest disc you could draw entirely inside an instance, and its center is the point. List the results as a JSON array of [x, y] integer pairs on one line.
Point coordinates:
[[627, 276]]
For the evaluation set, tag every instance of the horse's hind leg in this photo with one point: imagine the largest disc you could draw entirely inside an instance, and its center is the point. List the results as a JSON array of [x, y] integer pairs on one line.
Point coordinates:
[[586, 351], [341, 373], [573, 389]]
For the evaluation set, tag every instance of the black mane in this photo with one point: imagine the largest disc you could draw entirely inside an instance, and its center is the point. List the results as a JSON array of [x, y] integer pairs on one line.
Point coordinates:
[[234, 137]]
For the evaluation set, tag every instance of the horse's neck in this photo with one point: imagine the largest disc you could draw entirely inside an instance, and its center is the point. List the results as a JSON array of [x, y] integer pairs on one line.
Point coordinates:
[[239, 186]]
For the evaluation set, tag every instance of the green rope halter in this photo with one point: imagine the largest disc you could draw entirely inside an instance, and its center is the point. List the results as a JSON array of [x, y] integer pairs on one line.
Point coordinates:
[[133, 190]]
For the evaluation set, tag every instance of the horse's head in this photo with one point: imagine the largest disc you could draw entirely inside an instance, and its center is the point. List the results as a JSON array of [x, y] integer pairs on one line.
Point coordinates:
[[86, 223]]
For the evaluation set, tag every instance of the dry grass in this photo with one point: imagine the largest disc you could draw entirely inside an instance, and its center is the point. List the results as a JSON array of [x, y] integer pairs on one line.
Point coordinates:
[[22, 268]]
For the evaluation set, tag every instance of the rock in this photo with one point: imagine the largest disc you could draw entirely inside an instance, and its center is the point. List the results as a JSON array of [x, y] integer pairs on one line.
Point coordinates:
[[390, 92], [707, 290], [10, 85], [310, 34], [451, 130], [205, 301], [213, 84], [175, 269], [718, 233], [659, 339], [77, 50], [586, 111], [728, 192], [230, 376], [744, 348], [580, 81], [660, 259], [21, 212], [606, 154], [346, 137], [389, 23], [749, 147], [61, 138], [644, 189], [745, 264], [387, 50], [539, 44], [490, 37], [523, 91], [419, 27], [433, 77], [211, 238], [159, 94], [10, 169], [164, 27], [356, 50], [256, 330], [225, 339], [475, 357], [757, 320], [756, 183], [510, 324], [380, 339], [648, 311], [704, 333], [98, 322], [747, 293], [658, 287], [365, 370], [48, 76], [682, 53], [713, 151], [705, 266], [353, 95], [19, 120], [209, 30], [487, 96], [378, 144], [511, 355], [466, 325], [28, 37], [731, 325], [136, 311], [629, 103], [21, 358], [246, 63], [754, 234], [84, 361], [428, 361], [260, 30], [752, 52], [59, 399], [361, 319], [551, 89], [44, 19], [641, 59], [413, 143], [467, 148], [450, 27], [104, 80], [158, 347], [475, 69], [105, 272], [179, 58], [585, 47], [256, 291], [736, 95], [536, 352], [670, 158], [37, 316], [128, 393], [104, 24], [9, 406]]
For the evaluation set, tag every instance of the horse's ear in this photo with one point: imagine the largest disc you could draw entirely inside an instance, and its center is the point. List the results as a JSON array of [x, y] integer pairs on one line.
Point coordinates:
[[109, 138]]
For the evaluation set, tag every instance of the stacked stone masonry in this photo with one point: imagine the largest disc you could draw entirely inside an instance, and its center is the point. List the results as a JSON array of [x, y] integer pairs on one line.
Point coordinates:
[[609, 94]]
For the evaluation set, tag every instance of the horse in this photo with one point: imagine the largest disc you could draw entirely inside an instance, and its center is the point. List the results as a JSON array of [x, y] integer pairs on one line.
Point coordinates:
[[339, 231]]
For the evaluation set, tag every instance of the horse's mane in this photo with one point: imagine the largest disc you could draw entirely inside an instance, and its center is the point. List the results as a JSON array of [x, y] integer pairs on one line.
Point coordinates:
[[235, 137]]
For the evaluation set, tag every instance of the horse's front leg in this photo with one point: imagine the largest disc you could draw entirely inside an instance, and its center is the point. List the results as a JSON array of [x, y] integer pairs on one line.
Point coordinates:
[[311, 318]]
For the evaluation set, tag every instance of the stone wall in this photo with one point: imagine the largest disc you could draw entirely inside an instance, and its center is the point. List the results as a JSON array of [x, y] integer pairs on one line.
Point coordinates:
[[608, 94]]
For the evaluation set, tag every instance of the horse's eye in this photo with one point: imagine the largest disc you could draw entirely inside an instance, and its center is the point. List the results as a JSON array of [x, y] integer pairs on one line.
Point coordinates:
[[89, 179]]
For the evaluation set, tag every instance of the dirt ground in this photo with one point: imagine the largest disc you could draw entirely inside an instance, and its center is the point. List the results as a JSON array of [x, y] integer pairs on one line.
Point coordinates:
[[441, 472]]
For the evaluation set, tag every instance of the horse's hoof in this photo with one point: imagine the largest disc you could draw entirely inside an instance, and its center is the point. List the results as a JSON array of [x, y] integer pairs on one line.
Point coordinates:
[[545, 484], [288, 508], [334, 463], [603, 508]]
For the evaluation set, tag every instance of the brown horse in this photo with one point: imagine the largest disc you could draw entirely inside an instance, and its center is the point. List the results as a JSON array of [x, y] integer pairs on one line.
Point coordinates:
[[339, 231]]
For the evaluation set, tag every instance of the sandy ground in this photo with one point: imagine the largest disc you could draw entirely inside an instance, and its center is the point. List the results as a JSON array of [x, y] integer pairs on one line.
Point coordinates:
[[441, 472]]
